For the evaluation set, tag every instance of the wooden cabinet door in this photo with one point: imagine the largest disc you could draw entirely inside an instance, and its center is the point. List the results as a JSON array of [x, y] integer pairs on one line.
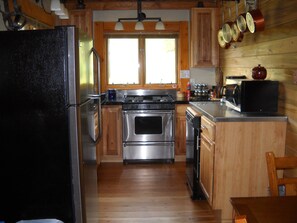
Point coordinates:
[[112, 131], [83, 19], [204, 45], [180, 129], [207, 167]]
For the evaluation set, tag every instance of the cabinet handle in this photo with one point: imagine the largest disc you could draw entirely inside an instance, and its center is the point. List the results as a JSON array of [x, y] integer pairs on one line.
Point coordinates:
[[207, 140], [203, 127]]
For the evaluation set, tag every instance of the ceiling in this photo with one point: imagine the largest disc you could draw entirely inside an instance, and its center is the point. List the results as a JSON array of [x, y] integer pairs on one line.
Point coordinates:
[[132, 4]]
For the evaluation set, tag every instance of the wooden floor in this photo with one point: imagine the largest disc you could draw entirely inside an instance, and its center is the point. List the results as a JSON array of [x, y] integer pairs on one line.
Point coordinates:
[[142, 193]]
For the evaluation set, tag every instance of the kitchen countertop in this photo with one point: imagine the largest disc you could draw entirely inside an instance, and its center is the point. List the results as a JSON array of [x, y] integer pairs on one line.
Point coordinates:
[[219, 112], [113, 102]]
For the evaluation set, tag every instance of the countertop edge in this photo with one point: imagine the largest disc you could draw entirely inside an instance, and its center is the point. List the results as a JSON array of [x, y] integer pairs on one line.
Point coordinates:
[[235, 116]]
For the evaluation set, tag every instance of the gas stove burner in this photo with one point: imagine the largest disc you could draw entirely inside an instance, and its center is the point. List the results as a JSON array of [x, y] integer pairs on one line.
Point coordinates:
[[148, 99], [148, 102]]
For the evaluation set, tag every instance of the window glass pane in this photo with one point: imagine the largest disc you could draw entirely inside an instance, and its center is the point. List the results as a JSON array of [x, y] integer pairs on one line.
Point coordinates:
[[160, 56], [123, 62]]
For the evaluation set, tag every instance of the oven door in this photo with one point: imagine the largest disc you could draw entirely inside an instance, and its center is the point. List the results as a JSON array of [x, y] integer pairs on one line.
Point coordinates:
[[148, 126]]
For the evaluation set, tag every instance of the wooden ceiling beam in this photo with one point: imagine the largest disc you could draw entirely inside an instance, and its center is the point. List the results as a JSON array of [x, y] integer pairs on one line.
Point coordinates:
[[146, 4]]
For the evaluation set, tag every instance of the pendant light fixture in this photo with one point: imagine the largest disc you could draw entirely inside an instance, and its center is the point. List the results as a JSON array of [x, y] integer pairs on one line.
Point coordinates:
[[59, 9], [140, 18]]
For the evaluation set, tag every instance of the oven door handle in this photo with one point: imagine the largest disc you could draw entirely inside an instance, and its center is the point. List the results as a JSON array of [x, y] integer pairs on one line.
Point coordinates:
[[148, 112], [147, 143]]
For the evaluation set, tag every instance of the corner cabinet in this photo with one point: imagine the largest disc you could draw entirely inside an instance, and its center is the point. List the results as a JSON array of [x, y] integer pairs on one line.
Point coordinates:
[[111, 133], [204, 45], [232, 159]]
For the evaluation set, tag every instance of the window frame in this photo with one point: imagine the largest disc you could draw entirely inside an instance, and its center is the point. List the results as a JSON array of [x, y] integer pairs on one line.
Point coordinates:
[[141, 74]]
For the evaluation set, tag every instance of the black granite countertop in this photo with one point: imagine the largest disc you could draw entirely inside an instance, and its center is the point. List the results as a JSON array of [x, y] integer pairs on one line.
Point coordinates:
[[218, 112], [112, 102], [181, 102]]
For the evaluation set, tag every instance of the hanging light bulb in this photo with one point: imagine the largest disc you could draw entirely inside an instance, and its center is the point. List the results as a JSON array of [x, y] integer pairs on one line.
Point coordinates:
[[59, 9], [56, 5], [139, 26], [65, 16], [119, 26], [140, 18], [160, 25]]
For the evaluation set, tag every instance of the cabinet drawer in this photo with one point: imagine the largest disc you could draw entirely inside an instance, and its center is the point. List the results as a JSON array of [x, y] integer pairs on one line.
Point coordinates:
[[208, 128]]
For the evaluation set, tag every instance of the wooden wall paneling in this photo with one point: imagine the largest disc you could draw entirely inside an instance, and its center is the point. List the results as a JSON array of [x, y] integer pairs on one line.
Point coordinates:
[[147, 5], [279, 46], [100, 48], [83, 19], [34, 11], [268, 61], [275, 48], [184, 54]]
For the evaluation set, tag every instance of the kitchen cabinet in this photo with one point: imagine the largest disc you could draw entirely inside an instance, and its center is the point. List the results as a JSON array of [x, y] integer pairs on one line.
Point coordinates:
[[83, 19], [232, 162], [111, 133], [207, 146], [180, 129], [204, 46]]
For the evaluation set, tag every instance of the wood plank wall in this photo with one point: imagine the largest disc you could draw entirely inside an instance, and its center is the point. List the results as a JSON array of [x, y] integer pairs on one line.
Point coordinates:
[[275, 48]]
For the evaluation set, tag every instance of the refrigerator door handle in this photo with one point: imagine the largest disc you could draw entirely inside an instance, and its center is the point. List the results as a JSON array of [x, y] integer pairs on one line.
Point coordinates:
[[94, 96], [98, 67]]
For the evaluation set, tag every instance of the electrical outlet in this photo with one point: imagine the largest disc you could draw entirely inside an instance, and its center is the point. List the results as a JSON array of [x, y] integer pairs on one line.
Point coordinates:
[[185, 74]]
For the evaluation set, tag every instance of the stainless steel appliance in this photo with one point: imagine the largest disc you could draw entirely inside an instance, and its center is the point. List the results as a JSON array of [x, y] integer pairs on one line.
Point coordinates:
[[148, 127], [252, 96], [235, 79], [47, 121], [193, 130]]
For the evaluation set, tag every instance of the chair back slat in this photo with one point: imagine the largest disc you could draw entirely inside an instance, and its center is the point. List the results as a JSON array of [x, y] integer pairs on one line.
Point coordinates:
[[281, 163]]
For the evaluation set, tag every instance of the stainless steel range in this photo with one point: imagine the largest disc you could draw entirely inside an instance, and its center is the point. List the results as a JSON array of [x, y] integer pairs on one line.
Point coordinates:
[[148, 126]]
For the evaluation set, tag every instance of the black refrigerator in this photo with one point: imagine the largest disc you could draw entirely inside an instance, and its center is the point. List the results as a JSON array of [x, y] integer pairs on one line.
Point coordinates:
[[49, 117]]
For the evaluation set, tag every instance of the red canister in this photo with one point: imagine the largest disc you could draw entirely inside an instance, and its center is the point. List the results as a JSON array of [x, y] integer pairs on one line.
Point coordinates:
[[259, 73]]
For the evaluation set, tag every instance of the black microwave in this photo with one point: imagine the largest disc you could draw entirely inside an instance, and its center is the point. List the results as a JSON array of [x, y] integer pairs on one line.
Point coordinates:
[[253, 96]]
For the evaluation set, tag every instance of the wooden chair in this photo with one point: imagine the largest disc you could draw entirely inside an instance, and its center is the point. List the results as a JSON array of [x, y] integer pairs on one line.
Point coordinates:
[[281, 163], [240, 219]]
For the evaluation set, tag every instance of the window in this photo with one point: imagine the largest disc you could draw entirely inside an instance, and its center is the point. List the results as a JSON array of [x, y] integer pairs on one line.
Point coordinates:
[[142, 60]]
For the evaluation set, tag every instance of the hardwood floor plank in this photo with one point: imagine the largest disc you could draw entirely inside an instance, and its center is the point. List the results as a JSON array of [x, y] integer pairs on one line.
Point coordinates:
[[143, 193]]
